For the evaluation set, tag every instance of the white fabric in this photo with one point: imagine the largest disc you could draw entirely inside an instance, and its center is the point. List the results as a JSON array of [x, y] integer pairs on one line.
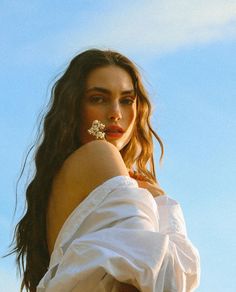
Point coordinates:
[[121, 234]]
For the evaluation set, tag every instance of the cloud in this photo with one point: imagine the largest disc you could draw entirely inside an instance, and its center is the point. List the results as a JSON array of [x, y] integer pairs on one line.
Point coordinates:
[[143, 27], [162, 26]]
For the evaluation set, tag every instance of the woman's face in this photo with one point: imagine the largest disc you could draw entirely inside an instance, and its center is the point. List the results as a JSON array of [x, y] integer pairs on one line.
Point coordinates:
[[110, 98]]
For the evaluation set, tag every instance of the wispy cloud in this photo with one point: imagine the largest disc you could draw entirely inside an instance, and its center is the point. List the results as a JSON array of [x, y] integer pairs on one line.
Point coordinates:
[[161, 26], [143, 27]]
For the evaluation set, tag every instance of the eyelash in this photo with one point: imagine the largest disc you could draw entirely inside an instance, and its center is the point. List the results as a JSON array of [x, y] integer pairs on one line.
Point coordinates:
[[95, 99]]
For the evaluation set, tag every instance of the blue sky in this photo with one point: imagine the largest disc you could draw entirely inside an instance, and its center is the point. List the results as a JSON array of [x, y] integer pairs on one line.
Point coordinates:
[[186, 53]]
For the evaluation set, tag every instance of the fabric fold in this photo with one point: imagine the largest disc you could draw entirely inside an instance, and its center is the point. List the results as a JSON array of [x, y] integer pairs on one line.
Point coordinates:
[[121, 234]]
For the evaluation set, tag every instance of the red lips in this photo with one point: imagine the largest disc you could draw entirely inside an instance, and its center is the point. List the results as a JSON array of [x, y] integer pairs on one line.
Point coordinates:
[[114, 129]]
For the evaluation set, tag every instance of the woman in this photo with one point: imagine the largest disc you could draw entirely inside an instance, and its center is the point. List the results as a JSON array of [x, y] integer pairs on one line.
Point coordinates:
[[97, 219]]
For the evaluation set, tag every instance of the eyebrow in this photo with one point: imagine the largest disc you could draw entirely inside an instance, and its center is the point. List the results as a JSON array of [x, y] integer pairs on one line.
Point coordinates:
[[107, 91]]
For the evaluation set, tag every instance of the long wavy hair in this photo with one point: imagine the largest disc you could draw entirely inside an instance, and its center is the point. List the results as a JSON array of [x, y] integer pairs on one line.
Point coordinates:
[[59, 137]]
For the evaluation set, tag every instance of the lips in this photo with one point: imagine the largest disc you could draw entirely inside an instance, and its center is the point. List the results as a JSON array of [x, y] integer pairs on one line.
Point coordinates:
[[114, 131]]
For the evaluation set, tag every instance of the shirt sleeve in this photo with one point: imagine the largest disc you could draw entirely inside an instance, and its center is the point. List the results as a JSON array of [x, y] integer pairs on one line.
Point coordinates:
[[185, 254], [125, 238]]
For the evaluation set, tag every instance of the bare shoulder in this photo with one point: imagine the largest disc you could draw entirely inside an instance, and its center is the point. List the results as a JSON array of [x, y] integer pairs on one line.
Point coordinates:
[[96, 160], [84, 170], [88, 167], [95, 150]]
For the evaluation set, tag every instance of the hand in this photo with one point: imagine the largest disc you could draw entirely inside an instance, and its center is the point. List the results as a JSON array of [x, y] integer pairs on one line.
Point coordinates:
[[144, 183]]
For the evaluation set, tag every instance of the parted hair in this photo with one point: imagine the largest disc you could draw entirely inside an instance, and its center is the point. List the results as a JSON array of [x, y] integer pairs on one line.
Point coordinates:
[[59, 137]]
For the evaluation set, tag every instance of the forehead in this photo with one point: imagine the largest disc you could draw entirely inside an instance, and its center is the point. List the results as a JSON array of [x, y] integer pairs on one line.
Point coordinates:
[[112, 77]]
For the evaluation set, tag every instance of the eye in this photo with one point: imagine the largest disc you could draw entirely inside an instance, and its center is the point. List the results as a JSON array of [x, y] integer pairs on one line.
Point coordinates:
[[128, 101], [97, 99]]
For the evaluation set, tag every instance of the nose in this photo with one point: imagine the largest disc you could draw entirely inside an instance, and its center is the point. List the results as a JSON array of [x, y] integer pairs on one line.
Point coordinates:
[[115, 112]]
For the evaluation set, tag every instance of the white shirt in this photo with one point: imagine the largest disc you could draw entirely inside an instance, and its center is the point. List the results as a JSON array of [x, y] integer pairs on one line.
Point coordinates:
[[121, 234]]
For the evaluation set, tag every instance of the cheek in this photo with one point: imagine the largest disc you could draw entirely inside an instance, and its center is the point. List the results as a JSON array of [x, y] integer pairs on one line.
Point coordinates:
[[87, 116], [90, 114]]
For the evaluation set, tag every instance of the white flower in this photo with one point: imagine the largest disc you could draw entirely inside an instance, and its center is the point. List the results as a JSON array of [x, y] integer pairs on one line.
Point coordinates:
[[96, 129]]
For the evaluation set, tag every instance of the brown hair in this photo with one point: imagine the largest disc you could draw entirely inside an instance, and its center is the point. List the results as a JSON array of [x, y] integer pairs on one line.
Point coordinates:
[[58, 139]]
